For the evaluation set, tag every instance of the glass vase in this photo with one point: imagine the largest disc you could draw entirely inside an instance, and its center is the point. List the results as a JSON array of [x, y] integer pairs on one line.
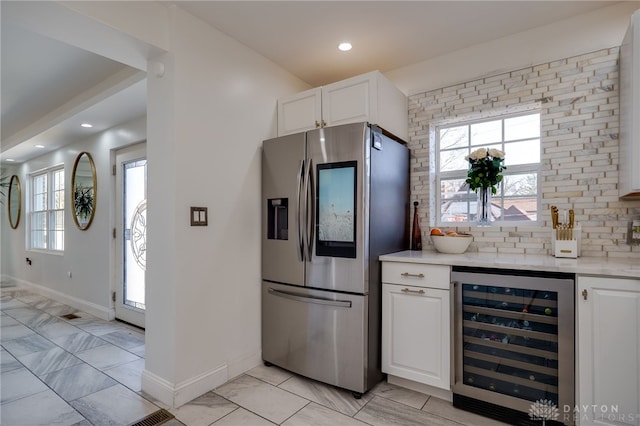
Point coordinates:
[[483, 213]]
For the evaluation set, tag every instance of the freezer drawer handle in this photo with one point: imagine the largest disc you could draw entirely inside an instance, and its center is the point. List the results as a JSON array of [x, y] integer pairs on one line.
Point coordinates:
[[316, 300], [407, 290], [406, 274]]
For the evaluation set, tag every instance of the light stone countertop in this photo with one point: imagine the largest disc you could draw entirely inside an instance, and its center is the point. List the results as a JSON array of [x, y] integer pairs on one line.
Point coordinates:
[[611, 267]]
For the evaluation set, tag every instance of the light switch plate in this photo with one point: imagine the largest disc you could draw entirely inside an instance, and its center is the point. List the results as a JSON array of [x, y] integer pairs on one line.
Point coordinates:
[[199, 216]]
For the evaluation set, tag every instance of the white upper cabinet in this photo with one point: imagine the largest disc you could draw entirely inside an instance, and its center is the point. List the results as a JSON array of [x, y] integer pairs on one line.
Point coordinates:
[[630, 110], [300, 112], [367, 97]]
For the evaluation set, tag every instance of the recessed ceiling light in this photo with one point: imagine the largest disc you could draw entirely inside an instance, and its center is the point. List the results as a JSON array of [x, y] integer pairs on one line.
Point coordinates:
[[87, 125], [10, 160], [344, 46], [39, 146]]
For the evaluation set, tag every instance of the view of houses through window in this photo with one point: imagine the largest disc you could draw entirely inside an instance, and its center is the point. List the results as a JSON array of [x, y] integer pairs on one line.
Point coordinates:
[[46, 224], [518, 136]]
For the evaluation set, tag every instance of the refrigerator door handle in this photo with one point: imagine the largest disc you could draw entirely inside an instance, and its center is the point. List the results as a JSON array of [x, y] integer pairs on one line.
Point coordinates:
[[299, 236], [309, 203], [309, 299]]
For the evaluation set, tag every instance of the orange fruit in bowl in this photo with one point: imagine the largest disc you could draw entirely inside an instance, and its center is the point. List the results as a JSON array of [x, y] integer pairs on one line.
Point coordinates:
[[452, 233], [436, 231]]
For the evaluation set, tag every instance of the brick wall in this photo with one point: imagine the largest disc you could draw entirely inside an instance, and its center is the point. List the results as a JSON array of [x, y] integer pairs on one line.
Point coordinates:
[[578, 99]]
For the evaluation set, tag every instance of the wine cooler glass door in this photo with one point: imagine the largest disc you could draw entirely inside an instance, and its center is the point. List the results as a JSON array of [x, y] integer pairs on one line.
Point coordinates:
[[514, 338]]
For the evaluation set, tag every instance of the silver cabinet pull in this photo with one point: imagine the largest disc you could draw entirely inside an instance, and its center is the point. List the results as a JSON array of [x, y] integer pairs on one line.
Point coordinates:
[[406, 274], [407, 290]]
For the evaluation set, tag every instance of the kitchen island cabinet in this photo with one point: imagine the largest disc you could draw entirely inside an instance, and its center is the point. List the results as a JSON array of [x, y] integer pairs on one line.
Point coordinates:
[[367, 97], [608, 361], [416, 323]]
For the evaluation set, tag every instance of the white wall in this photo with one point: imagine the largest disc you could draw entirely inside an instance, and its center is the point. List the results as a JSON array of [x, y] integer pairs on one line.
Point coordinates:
[[600, 29], [86, 253], [222, 99]]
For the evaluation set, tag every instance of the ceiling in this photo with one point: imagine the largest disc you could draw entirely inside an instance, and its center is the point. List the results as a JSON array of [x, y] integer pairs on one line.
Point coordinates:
[[49, 88]]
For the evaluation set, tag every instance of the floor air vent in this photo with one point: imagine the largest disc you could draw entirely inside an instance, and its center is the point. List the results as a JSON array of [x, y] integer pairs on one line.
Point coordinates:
[[69, 316], [154, 419]]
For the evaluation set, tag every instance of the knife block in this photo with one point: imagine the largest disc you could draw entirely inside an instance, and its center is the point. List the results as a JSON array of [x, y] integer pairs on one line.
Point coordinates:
[[563, 245]]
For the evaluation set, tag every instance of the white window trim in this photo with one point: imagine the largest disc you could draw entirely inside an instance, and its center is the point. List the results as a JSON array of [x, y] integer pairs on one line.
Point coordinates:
[[49, 171], [434, 166]]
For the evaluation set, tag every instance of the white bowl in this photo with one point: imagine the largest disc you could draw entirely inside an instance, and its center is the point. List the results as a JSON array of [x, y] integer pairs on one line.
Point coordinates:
[[451, 244]]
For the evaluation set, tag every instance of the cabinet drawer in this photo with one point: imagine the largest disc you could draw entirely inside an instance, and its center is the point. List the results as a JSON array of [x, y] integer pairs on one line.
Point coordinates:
[[417, 275]]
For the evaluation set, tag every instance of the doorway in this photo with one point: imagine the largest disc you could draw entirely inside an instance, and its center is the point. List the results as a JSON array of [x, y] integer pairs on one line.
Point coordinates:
[[131, 233]]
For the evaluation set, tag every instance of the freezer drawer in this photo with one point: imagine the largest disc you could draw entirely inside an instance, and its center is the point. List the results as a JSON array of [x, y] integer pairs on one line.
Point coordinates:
[[318, 334]]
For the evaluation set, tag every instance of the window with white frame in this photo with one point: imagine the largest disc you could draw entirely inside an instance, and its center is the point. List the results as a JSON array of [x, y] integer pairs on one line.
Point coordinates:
[[46, 214], [517, 199]]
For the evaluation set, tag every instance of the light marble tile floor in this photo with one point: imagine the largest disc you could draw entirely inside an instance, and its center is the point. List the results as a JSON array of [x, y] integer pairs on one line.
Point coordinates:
[[86, 371]]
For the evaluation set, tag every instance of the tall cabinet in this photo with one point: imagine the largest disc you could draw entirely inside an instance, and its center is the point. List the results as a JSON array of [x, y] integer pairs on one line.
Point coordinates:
[[368, 97], [630, 111], [608, 367]]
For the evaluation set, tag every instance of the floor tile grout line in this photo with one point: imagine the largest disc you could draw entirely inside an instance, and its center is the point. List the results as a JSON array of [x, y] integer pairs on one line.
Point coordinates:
[[40, 378], [35, 330]]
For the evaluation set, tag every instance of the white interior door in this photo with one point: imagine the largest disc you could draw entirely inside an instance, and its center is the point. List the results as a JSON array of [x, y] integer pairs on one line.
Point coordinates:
[[131, 233]]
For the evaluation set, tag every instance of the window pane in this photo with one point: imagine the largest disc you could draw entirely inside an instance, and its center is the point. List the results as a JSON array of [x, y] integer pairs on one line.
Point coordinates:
[[39, 193], [487, 132], [524, 127], [525, 152], [454, 137], [38, 227], [521, 209], [453, 160], [520, 185], [454, 196]]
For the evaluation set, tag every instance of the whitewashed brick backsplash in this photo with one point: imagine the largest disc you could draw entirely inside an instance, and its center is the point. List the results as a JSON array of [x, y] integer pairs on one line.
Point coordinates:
[[580, 124]]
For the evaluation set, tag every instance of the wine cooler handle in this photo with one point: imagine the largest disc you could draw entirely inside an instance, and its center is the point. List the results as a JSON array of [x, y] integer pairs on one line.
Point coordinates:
[[299, 236], [407, 274], [408, 290]]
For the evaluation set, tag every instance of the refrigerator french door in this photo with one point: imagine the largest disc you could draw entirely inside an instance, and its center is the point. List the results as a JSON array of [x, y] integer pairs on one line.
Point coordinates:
[[334, 199]]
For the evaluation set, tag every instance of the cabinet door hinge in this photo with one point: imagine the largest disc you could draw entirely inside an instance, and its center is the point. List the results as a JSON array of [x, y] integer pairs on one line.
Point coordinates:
[[113, 170], [585, 293], [114, 232], [113, 296]]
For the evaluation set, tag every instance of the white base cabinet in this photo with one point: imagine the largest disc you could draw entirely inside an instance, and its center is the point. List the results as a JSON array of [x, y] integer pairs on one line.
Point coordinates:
[[367, 97], [608, 367], [416, 323]]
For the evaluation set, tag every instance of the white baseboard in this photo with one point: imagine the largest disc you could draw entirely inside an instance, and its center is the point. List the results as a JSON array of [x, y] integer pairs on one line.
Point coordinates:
[[242, 365], [101, 312], [175, 396], [421, 387]]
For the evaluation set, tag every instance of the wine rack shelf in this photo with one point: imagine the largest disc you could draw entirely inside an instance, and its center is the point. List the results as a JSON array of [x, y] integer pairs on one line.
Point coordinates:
[[510, 341]]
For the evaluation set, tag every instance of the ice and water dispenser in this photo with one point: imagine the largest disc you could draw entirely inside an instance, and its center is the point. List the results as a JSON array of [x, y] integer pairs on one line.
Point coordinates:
[[278, 219]]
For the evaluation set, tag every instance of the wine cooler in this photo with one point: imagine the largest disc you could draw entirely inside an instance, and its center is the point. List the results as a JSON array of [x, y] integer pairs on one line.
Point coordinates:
[[514, 345]]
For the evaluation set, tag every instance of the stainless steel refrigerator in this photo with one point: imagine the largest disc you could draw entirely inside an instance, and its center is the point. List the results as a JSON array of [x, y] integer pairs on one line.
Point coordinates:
[[333, 200]]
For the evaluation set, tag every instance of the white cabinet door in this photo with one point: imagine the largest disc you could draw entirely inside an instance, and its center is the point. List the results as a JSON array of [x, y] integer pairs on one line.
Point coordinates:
[[608, 351], [300, 112], [630, 110], [416, 334], [350, 101]]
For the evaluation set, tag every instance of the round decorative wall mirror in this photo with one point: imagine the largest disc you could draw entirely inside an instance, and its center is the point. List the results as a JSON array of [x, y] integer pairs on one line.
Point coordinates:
[[14, 204], [83, 182]]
